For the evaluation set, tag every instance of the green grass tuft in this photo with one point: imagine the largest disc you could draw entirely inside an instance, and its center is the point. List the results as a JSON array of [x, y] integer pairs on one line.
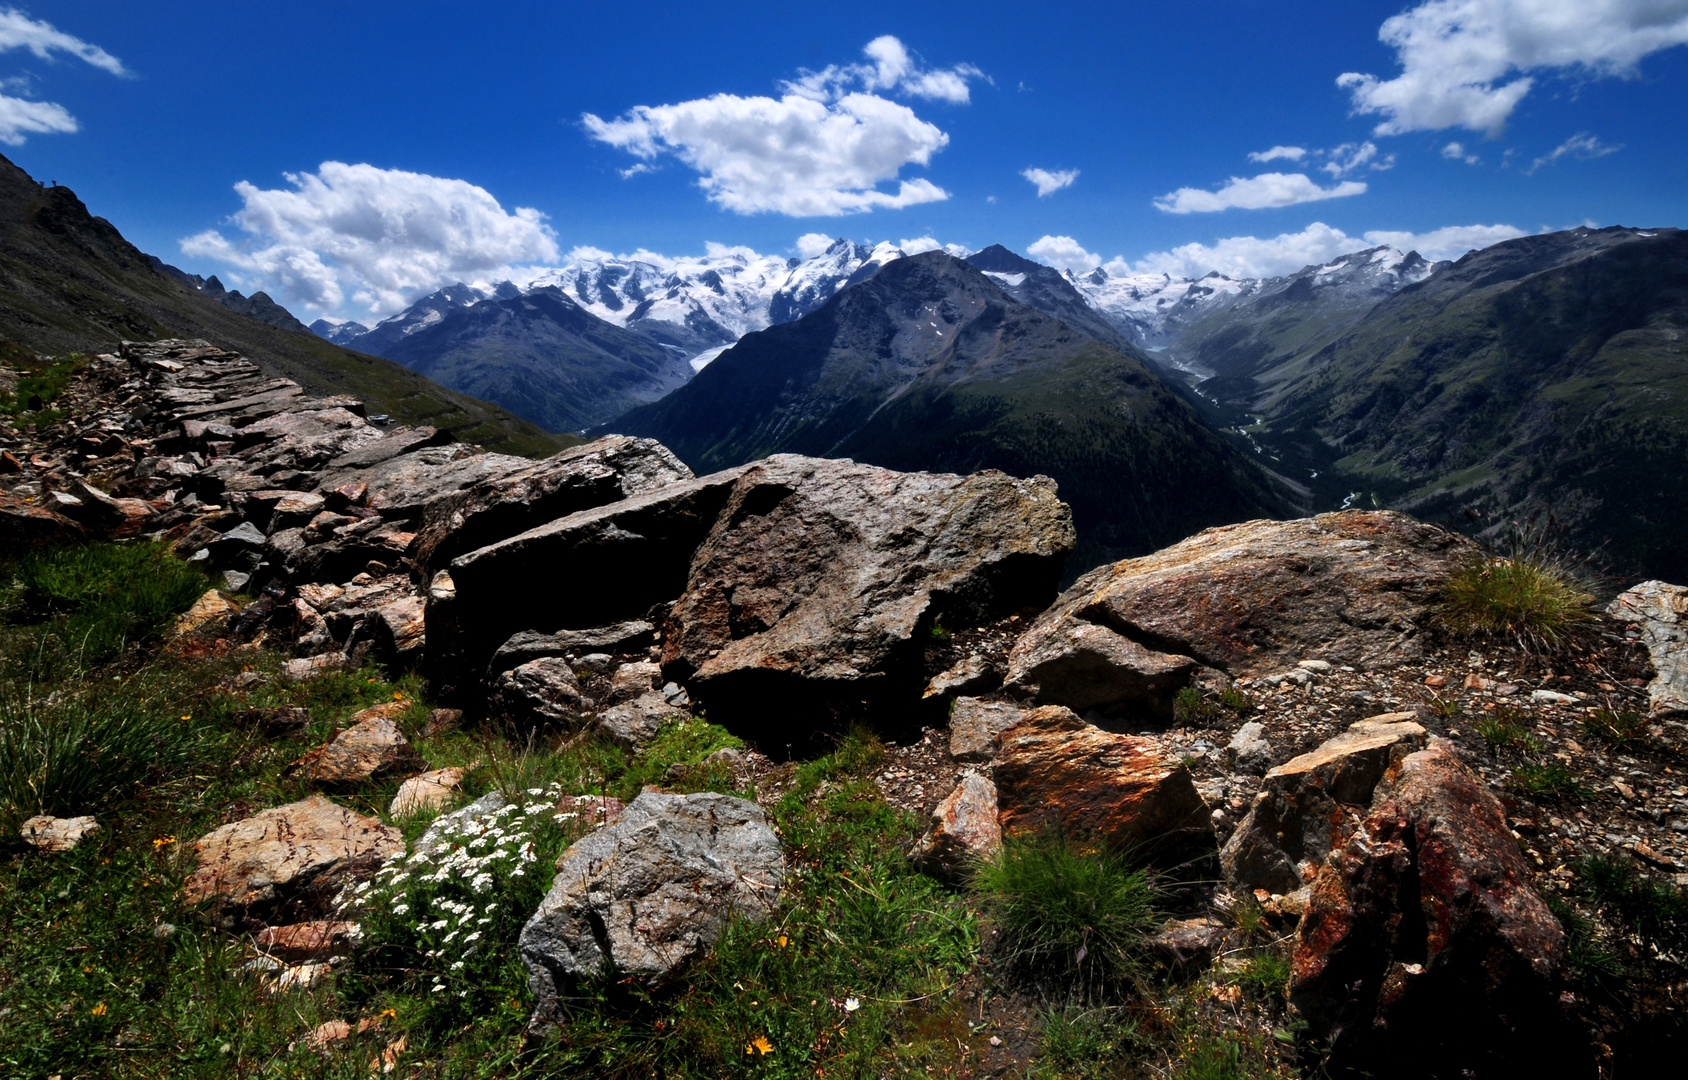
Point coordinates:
[[1524, 599], [1551, 781], [100, 598], [1615, 728], [1653, 910], [1071, 920]]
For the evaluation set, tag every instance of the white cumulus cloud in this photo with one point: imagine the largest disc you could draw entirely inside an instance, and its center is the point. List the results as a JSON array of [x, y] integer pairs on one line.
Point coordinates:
[[1581, 145], [381, 237], [1286, 153], [1255, 193], [815, 243], [1064, 253], [890, 68], [20, 117], [1273, 256], [1455, 151], [793, 155], [1467, 63], [1048, 183]]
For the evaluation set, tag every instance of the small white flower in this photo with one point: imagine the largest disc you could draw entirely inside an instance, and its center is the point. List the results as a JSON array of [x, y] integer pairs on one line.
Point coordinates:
[[536, 791], [476, 936], [457, 965], [490, 908], [852, 1004], [400, 909], [517, 872], [440, 925], [436, 988], [447, 939]]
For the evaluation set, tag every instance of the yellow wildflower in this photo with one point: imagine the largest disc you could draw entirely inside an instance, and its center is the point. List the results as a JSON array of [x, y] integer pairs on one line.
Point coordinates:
[[759, 1045], [100, 1009]]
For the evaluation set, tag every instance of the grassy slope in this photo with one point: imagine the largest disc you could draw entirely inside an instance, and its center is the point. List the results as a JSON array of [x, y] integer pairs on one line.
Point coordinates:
[[1552, 375], [69, 282]]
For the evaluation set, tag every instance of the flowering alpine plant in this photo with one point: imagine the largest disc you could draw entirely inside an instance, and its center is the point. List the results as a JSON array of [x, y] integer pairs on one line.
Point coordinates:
[[446, 917]]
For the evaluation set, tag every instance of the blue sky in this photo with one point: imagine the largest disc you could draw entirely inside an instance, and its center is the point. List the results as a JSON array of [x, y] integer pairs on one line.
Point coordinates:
[[470, 142]]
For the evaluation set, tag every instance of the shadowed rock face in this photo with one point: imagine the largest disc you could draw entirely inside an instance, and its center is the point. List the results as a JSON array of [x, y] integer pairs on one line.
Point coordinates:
[[1351, 588], [1424, 942], [824, 575]]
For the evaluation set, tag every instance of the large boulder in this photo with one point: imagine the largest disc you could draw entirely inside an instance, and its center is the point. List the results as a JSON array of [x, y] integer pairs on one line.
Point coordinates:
[[976, 724], [599, 567], [294, 855], [1312, 802], [604, 471], [1054, 772], [1351, 588], [650, 892], [1660, 613], [824, 577], [403, 487], [1424, 950]]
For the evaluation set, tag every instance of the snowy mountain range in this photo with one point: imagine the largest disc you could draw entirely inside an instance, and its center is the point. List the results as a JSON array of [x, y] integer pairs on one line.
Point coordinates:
[[698, 306]]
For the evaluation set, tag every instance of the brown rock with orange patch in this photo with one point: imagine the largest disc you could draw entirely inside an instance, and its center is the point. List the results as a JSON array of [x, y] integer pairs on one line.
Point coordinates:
[[964, 830], [1350, 588], [1054, 771], [1424, 942], [301, 942]]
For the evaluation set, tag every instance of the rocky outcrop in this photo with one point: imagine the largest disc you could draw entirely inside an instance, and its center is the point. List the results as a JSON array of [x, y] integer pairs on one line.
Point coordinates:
[[1350, 588], [1424, 942], [650, 892], [964, 830], [1054, 772], [822, 575], [603, 566], [296, 855], [539, 693], [1659, 613], [1310, 803]]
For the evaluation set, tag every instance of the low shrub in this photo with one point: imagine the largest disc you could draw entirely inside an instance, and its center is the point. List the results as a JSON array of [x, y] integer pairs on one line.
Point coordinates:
[[443, 924], [1084, 1044], [1070, 919], [1265, 976], [1615, 728], [86, 745]]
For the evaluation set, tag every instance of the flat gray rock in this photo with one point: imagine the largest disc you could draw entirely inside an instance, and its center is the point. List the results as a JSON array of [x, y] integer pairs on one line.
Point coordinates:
[[1660, 612], [650, 892]]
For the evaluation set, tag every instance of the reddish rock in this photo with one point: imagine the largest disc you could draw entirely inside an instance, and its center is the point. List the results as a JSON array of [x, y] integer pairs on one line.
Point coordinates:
[[1307, 805], [1424, 949], [964, 830], [206, 611], [24, 525], [302, 942], [1054, 771]]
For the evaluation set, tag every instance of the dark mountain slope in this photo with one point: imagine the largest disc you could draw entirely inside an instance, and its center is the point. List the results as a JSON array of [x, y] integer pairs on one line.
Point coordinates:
[[543, 357], [931, 365], [69, 282], [1548, 373]]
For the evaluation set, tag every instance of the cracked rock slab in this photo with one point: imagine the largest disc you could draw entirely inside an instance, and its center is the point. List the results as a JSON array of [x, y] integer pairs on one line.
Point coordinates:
[[1660, 612]]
